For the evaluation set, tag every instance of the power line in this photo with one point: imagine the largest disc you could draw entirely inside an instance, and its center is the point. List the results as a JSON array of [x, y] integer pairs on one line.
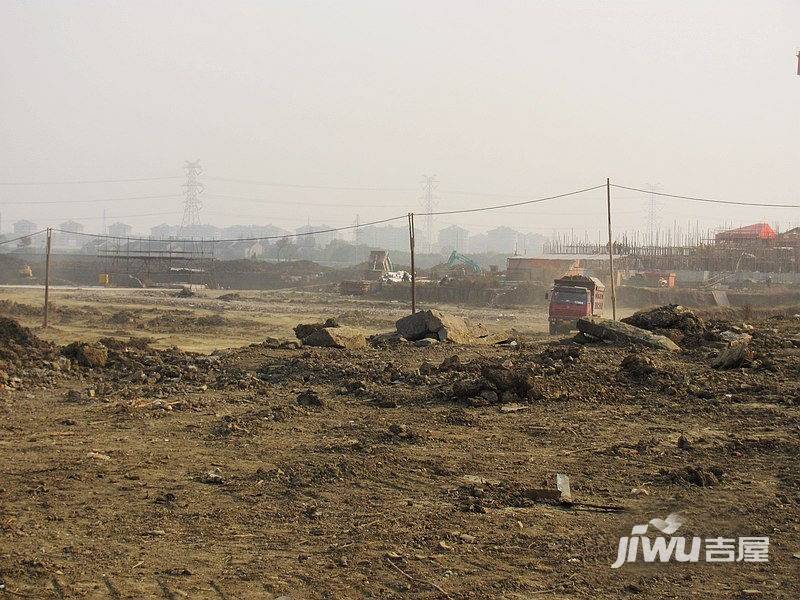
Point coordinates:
[[708, 200], [356, 226], [243, 239], [294, 203], [311, 187], [22, 237], [153, 214], [91, 201], [497, 206], [88, 181], [363, 188]]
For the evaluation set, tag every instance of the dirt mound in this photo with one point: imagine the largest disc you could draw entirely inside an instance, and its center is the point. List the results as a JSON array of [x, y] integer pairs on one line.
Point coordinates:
[[11, 331], [182, 321], [122, 317], [211, 321], [230, 297], [86, 355], [20, 350]]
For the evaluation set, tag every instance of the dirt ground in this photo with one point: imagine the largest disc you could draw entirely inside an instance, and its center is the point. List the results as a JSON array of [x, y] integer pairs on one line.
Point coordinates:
[[252, 471]]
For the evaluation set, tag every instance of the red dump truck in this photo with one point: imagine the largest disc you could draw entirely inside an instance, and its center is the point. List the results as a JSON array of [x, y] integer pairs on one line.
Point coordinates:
[[573, 297]]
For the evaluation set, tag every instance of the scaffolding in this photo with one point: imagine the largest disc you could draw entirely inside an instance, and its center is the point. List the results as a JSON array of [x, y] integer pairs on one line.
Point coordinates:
[[743, 256], [155, 261]]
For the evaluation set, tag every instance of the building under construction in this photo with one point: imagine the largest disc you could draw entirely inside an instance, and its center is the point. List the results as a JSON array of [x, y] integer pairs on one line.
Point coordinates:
[[756, 248]]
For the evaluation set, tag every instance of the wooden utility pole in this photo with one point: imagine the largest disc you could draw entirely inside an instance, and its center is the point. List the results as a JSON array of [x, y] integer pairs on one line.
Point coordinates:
[[611, 253], [413, 270], [47, 276]]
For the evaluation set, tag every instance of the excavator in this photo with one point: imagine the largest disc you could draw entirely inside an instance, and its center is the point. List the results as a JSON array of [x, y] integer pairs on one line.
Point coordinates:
[[456, 257]]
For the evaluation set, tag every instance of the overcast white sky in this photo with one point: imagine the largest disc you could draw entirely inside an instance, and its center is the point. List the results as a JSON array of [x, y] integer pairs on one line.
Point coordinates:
[[699, 97]]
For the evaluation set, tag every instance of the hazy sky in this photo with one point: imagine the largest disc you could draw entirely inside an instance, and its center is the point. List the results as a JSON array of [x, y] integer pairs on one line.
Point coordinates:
[[519, 98]]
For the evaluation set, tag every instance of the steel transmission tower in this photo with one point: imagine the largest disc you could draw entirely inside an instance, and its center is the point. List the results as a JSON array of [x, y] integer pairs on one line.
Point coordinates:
[[653, 216], [429, 185], [192, 203]]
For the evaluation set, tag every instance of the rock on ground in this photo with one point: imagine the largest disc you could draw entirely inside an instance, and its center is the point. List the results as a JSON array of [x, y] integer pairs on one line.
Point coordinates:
[[436, 324], [303, 330], [638, 365], [336, 337]]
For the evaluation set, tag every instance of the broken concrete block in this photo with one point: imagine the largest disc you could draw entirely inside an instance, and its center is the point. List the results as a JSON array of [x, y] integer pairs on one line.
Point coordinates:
[[734, 354], [615, 331]]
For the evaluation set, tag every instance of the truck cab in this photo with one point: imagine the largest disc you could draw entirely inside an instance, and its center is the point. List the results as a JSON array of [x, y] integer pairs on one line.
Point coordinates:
[[573, 297]]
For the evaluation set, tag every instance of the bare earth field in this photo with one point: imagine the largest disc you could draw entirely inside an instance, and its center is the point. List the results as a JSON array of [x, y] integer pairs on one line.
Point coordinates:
[[197, 462]]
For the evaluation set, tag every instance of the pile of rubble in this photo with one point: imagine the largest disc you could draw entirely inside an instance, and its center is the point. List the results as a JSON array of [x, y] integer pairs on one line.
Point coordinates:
[[676, 322], [736, 345], [112, 367], [138, 370], [512, 381], [24, 358], [665, 327]]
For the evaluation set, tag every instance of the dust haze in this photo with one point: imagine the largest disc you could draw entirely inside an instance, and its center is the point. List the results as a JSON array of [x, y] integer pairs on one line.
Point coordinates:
[[517, 98]]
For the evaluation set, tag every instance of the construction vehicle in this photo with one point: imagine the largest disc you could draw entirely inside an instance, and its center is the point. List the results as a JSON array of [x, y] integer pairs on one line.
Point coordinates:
[[665, 279], [573, 297], [457, 257]]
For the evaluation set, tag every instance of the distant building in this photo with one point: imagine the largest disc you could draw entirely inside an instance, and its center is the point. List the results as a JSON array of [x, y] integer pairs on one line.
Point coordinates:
[[453, 238], [244, 249], [478, 243], [196, 232], [253, 231], [69, 236], [531, 243], [199, 232], [790, 238], [163, 231], [757, 232], [71, 226], [120, 229], [24, 227], [503, 240]]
